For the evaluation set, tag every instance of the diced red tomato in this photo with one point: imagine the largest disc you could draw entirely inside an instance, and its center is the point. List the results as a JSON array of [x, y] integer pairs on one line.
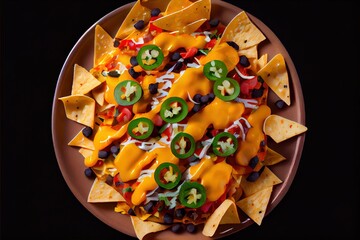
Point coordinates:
[[247, 85], [158, 120], [206, 207], [167, 132], [189, 53], [211, 44], [125, 114]]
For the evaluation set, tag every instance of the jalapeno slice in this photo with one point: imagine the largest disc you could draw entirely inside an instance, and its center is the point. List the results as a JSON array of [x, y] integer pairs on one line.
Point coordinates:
[[174, 109], [127, 92], [227, 89], [150, 57], [167, 175], [224, 144], [183, 145], [140, 128], [192, 194], [215, 70]]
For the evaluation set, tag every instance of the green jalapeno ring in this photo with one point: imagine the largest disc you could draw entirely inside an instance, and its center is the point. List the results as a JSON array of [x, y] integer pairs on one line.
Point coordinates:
[[185, 190], [135, 123], [158, 175], [119, 93], [228, 152], [150, 51], [215, 70], [166, 106], [226, 98], [189, 139]]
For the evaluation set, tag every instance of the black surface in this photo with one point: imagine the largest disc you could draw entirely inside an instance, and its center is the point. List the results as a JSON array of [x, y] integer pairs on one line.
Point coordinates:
[[321, 40]]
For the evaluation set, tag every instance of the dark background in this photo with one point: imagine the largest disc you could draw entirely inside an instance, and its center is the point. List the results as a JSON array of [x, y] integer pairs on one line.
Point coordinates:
[[321, 39]]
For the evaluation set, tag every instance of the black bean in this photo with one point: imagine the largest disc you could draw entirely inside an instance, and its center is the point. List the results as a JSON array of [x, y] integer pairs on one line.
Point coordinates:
[[214, 22], [89, 173], [190, 228], [119, 183], [197, 97], [211, 96], [134, 74], [233, 44], [155, 12], [87, 131], [133, 61], [168, 218], [263, 143], [109, 180], [193, 215], [177, 227], [131, 212], [256, 93], [149, 207], [153, 88], [280, 104], [260, 79], [103, 154], [253, 177], [139, 24], [116, 43], [244, 61], [114, 149], [114, 73], [204, 99], [180, 213], [175, 56], [196, 108], [253, 162]]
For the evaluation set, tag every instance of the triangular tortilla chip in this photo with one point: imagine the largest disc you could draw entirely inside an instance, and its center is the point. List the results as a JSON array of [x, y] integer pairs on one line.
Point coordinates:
[[250, 52], [101, 192], [176, 5], [255, 205], [143, 228], [280, 128], [177, 20], [104, 44], [267, 178], [83, 81], [276, 77], [85, 152], [272, 157], [81, 141], [99, 94], [257, 64], [80, 108], [192, 27], [226, 213], [122, 207], [243, 32], [137, 12]]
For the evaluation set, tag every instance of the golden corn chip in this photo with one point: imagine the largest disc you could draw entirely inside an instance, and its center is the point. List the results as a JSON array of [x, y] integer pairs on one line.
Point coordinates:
[[80, 108], [103, 44], [280, 128], [101, 192], [276, 77], [226, 213], [122, 207], [99, 94], [272, 157], [85, 152], [192, 27], [243, 32], [192, 13], [81, 141], [176, 5], [83, 81], [143, 228], [266, 179], [255, 205], [250, 52]]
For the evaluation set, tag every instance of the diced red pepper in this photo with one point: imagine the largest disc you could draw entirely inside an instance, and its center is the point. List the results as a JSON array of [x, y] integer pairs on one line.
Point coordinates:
[[211, 44], [125, 114], [189, 53]]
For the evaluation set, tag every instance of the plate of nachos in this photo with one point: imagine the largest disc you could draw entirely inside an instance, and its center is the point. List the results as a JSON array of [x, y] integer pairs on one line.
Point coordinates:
[[179, 118]]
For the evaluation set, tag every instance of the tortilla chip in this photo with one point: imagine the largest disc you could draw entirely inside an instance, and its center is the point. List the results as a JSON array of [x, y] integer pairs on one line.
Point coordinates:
[[280, 128], [272, 157], [176, 5], [101, 192], [80, 108], [177, 20], [99, 94], [276, 77], [143, 228], [83, 81], [267, 178], [122, 207], [137, 12], [250, 52], [104, 44], [255, 205], [81, 141], [226, 213], [243, 32], [85, 152], [192, 27]]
